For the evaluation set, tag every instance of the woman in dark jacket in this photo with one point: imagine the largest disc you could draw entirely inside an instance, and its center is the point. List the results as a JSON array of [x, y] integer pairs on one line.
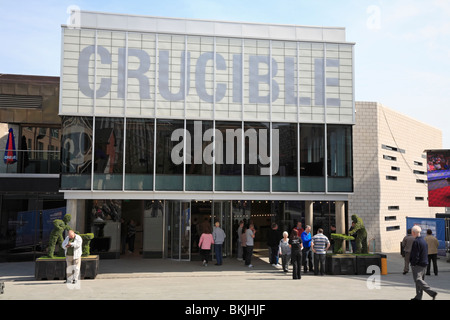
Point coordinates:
[[296, 254]]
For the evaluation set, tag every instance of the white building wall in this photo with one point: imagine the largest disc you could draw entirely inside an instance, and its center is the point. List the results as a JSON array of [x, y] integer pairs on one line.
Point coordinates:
[[388, 191]]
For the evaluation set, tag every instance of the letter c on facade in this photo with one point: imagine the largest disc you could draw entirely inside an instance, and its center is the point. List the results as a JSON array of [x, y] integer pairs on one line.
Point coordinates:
[[83, 71]]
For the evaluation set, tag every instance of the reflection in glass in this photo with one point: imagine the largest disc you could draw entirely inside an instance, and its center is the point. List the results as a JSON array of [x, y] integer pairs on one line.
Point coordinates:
[[286, 177], [199, 165], [108, 154], [312, 154], [257, 156], [229, 164], [139, 154], [169, 175], [76, 153], [340, 171]]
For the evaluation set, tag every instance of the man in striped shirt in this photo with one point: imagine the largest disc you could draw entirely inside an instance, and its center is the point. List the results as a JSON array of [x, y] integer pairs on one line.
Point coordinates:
[[319, 245]]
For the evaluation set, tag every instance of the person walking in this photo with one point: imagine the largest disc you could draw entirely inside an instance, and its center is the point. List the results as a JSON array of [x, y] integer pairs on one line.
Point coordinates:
[[273, 243], [419, 261], [243, 238], [205, 243], [131, 235], [285, 251], [306, 251], [406, 246], [219, 237], [249, 242], [296, 254], [319, 245], [239, 242], [72, 249], [433, 245]]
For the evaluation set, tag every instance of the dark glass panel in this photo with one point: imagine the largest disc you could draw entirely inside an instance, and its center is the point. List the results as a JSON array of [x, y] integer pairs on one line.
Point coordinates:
[[340, 169], [199, 164], [257, 152], [286, 178], [312, 154], [139, 154], [169, 174], [108, 154], [76, 153], [229, 162]]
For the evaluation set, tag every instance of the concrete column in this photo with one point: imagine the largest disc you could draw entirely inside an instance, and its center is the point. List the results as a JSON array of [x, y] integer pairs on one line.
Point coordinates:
[[309, 214], [76, 209], [340, 219]]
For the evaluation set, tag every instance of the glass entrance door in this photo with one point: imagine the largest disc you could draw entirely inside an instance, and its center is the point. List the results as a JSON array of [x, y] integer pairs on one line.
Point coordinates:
[[178, 230]]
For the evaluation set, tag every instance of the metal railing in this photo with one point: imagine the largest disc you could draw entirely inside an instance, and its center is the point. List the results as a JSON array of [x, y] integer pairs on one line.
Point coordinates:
[[32, 162]]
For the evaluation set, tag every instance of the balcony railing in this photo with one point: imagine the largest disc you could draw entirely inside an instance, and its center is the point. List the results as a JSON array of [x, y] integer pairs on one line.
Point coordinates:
[[32, 162]]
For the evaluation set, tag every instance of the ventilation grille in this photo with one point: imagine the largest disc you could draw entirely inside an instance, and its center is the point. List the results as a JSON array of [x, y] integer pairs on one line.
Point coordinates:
[[18, 101]]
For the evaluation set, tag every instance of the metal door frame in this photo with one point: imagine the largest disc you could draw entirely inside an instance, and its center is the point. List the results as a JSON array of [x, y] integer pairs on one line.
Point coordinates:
[[170, 216]]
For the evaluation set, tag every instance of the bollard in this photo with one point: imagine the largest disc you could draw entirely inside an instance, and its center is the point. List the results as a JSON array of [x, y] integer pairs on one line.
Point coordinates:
[[2, 287], [383, 264]]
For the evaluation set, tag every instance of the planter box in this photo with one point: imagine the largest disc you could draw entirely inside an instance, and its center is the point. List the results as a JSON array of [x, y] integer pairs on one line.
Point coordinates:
[[363, 262], [350, 264], [55, 269], [340, 264]]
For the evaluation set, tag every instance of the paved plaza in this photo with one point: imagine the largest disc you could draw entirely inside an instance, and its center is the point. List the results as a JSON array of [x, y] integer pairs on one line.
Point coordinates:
[[147, 279]]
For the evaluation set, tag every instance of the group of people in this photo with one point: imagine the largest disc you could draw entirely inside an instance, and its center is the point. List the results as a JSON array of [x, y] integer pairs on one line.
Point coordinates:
[[299, 248], [418, 253]]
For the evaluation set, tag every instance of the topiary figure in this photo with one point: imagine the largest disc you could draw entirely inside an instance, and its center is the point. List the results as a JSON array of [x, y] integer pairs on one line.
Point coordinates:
[[56, 238], [338, 241], [67, 217], [87, 237], [360, 235]]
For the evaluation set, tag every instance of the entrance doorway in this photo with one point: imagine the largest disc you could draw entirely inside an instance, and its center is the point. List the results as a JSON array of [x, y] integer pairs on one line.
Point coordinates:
[[185, 222], [131, 228]]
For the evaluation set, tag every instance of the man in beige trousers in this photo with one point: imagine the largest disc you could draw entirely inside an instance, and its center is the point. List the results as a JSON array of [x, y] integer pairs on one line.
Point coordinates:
[[433, 245], [72, 248]]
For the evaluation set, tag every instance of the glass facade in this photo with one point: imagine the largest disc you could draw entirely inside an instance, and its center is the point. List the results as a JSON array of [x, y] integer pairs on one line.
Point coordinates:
[[193, 155]]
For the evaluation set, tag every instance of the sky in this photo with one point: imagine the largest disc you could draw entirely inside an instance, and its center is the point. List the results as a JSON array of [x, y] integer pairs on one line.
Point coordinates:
[[402, 52]]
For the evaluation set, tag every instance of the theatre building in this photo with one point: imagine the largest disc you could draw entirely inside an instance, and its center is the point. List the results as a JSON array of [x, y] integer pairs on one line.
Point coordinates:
[[176, 123]]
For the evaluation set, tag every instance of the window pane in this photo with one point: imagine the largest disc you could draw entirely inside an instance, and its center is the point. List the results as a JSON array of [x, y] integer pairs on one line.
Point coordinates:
[[76, 153], [340, 171], [169, 175], [285, 179], [312, 153], [229, 161], [108, 155], [199, 166], [139, 154], [257, 145]]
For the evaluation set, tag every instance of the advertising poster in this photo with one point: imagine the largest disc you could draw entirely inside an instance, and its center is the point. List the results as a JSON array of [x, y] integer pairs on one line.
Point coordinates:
[[438, 168], [24, 228], [436, 225]]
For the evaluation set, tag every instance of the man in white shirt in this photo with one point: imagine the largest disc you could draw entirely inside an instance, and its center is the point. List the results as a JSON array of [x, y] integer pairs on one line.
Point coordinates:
[[72, 248], [219, 238], [250, 236]]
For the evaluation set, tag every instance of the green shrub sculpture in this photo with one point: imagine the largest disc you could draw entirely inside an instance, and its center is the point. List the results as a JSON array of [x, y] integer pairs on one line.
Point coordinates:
[[339, 241], [86, 246], [361, 235], [56, 238]]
